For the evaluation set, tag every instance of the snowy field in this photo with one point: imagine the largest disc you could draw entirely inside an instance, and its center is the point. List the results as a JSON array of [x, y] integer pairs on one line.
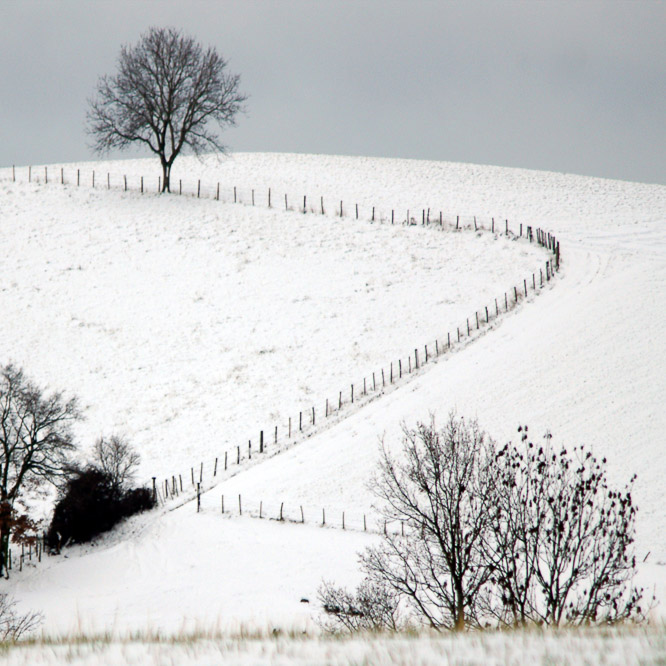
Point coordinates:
[[189, 325], [125, 300]]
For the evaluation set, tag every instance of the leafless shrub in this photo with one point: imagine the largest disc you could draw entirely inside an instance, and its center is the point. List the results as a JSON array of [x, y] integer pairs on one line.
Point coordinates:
[[373, 607], [13, 625]]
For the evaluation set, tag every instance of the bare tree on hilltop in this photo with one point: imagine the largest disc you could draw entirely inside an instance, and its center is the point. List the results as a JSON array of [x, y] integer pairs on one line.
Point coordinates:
[[167, 92]]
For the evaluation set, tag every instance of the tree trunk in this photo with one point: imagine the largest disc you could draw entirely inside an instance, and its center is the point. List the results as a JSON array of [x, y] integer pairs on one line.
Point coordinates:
[[166, 175], [4, 552], [460, 607]]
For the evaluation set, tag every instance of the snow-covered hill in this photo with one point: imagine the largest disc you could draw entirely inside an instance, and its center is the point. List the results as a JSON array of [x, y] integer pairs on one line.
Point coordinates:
[[585, 360]]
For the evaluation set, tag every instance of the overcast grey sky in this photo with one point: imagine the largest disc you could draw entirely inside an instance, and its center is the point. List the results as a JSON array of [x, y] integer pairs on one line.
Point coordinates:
[[578, 87]]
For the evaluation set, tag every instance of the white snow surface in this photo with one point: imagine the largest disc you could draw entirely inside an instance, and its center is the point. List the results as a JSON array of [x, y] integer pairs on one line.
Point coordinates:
[[189, 324]]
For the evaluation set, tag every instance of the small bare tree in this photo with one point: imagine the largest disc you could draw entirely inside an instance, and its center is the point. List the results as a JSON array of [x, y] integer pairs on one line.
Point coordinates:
[[35, 443], [117, 458], [373, 607], [13, 625], [167, 91], [439, 490]]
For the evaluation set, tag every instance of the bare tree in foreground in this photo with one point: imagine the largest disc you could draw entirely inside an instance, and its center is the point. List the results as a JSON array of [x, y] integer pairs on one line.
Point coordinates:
[[500, 536], [35, 444], [438, 489], [167, 92], [562, 538]]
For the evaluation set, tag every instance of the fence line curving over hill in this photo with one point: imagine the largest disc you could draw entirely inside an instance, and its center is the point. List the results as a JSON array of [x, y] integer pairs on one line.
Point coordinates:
[[200, 477]]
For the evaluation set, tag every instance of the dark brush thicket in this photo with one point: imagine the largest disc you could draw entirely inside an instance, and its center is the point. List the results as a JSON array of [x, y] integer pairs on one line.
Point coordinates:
[[499, 536], [95, 498], [91, 504]]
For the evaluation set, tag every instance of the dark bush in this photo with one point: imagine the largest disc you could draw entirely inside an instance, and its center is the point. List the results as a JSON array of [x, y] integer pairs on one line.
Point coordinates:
[[136, 501], [91, 504]]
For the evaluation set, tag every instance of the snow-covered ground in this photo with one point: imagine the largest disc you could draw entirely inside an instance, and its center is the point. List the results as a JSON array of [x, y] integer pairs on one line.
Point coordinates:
[[189, 325], [585, 360]]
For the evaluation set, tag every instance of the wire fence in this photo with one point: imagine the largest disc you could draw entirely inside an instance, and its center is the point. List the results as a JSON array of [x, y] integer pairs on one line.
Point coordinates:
[[188, 485]]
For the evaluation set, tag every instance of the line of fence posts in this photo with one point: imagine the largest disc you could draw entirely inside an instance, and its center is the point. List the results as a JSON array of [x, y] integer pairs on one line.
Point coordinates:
[[32, 546], [545, 239], [173, 489], [281, 516]]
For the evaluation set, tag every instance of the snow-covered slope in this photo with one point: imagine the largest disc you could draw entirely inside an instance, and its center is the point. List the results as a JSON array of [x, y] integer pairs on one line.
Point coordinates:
[[585, 360]]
